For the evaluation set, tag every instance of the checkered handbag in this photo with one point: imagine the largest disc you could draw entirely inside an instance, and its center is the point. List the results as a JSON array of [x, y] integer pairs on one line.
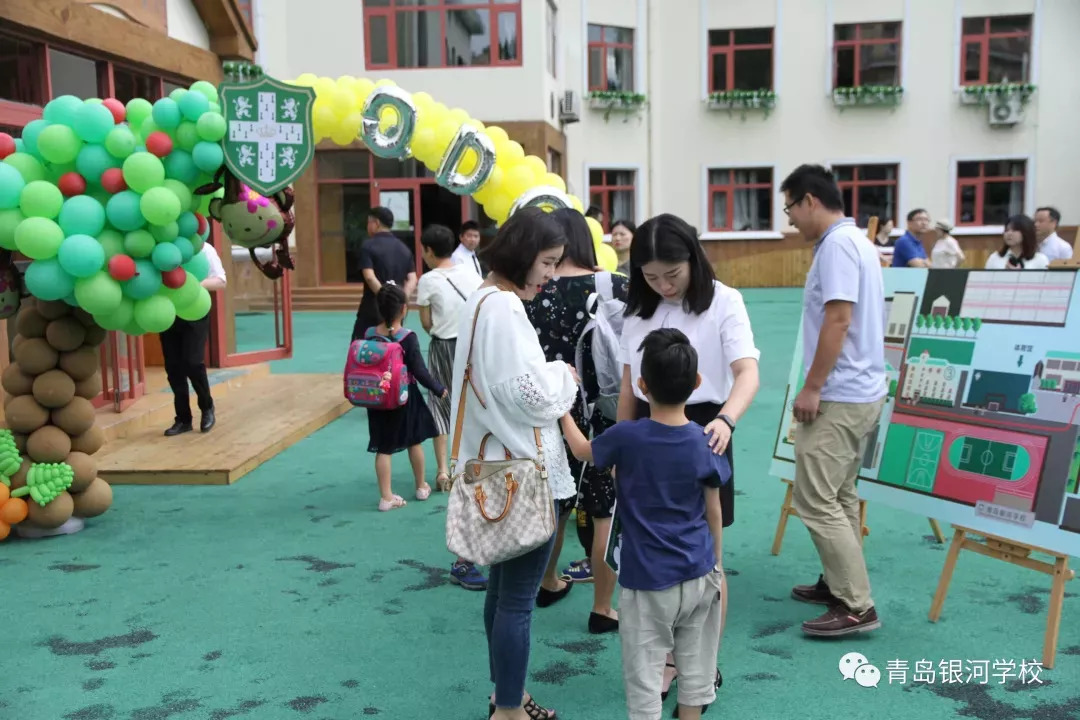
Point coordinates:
[[498, 509]]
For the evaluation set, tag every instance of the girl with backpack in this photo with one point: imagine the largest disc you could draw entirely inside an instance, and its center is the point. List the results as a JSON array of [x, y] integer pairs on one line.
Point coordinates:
[[409, 425]]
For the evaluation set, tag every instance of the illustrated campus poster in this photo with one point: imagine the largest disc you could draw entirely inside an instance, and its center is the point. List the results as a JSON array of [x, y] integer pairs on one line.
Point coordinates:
[[981, 424]]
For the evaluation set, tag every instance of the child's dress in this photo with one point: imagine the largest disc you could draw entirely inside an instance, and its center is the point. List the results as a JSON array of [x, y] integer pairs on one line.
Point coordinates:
[[391, 431]]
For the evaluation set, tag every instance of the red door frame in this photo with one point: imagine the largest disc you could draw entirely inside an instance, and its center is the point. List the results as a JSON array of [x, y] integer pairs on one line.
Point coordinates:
[[412, 184]]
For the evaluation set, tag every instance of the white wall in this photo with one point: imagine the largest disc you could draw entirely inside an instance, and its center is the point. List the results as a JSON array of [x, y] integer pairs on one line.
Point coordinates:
[[185, 24]]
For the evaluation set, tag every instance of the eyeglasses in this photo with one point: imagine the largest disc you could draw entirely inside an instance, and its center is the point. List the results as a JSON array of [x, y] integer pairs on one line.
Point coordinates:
[[793, 203]]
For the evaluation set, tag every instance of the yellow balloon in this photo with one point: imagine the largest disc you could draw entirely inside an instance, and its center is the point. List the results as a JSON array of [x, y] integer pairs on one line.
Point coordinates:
[[424, 146], [346, 83], [361, 89], [422, 100], [538, 166], [324, 86], [509, 155], [518, 180], [460, 115], [468, 161], [491, 188], [342, 101], [606, 256], [576, 202], [498, 207], [306, 80], [497, 135], [596, 230], [385, 82], [445, 132], [554, 181]]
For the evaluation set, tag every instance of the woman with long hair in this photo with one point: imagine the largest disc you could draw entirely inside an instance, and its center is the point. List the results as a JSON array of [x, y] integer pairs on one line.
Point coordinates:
[[1020, 249], [622, 239], [510, 392], [560, 313], [673, 285]]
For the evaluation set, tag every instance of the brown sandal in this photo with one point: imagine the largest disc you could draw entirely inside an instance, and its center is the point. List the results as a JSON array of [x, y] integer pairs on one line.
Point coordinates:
[[443, 483]]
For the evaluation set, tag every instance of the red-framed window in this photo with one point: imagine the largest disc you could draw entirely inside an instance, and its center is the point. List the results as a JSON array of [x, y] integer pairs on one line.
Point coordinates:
[[995, 50], [741, 59], [614, 192], [866, 54], [869, 191], [401, 34], [989, 192], [740, 199], [611, 58]]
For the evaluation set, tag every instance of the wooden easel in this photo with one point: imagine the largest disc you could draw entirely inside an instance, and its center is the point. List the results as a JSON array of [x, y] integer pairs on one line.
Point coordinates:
[[787, 510], [1017, 554]]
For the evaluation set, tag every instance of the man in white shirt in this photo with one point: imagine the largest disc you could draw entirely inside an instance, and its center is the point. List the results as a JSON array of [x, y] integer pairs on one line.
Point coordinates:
[[1052, 245], [841, 398], [183, 346], [465, 252]]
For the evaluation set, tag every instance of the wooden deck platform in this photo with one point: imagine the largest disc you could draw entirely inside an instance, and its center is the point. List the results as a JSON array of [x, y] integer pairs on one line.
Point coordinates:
[[258, 416]]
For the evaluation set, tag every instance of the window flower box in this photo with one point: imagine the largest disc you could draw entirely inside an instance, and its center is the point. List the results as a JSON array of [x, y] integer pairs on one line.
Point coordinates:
[[983, 94], [889, 95], [615, 100], [744, 100]]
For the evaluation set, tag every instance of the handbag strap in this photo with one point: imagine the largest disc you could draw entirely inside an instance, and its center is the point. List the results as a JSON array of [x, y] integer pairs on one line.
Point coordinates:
[[466, 383]]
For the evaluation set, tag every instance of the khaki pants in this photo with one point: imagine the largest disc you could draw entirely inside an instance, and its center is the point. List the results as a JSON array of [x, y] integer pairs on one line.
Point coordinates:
[[683, 620], [827, 460]]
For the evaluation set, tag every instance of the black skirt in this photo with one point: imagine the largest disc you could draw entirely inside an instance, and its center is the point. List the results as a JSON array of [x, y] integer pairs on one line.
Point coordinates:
[[703, 414], [391, 431]]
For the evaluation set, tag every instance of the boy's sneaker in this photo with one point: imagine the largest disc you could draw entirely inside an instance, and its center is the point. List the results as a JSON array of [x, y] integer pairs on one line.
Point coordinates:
[[467, 576], [817, 594], [578, 572]]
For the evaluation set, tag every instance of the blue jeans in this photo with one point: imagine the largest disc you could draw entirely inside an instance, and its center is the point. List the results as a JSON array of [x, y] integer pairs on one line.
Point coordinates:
[[511, 597]]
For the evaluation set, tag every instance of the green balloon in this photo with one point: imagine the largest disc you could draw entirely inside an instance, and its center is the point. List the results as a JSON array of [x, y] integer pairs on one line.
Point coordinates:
[[205, 89], [188, 224], [93, 160], [186, 135], [143, 171], [11, 187], [98, 294], [184, 246], [160, 206], [62, 109], [197, 309], [38, 238], [59, 144], [120, 142], [28, 166], [9, 220], [138, 110], [165, 257], [47, 280], [198, 266], [155, 314], [119, 317], [123, 211], [166, 114], [53, 172], [185, 294], [165, 233], [180, 166], [147, 128], [41, 199], [147, 281], [182, 192], [81, 255], [208, 156], [30, 134], [193, 105], [196, 244], [93, 122], [112, 243], [139, 244], [211, 127], [82, 215]]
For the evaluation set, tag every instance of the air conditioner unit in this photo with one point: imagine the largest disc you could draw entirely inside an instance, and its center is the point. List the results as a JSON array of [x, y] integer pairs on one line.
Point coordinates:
[[1006, 111], [570, 107]]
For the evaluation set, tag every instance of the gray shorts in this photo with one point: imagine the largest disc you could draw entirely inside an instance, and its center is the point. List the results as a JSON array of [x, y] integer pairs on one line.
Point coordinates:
[[683, 620]]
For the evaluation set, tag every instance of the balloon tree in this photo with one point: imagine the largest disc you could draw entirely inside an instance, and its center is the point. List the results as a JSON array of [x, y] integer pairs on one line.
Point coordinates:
[[99, 196]]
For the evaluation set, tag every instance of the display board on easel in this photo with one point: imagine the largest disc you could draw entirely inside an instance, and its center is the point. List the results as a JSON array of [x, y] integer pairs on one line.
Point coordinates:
[[982, 424]]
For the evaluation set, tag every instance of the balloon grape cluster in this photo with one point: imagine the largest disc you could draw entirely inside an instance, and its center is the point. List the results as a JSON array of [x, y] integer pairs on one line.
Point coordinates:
[[99, 196]]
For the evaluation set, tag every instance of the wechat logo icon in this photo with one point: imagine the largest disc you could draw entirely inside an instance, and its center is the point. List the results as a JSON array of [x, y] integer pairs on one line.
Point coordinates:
[[855, 666]]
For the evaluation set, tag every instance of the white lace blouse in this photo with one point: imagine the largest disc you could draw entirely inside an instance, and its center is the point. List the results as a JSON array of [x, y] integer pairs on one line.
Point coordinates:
[[520, 389]]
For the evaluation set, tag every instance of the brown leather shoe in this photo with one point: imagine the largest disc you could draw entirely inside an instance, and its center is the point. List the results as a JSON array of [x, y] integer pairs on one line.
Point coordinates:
[[841, 621], [816, 594]]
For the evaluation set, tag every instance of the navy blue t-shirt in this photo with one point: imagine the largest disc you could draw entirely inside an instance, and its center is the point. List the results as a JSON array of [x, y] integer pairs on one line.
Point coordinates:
[[660, 475], [907, 248]]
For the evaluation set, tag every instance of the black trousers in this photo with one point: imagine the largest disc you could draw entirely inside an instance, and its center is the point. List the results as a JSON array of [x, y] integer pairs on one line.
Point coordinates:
[[184, 348]]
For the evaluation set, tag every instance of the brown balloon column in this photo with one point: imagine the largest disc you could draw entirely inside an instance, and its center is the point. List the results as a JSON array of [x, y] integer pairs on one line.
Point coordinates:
[[47, 402]]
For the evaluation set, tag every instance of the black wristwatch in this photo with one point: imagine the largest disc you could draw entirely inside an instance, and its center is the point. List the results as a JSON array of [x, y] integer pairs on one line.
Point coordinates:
[[727, 420]]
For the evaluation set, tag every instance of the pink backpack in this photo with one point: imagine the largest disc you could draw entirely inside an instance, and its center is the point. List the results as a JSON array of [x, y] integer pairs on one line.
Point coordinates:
[[376, 376]]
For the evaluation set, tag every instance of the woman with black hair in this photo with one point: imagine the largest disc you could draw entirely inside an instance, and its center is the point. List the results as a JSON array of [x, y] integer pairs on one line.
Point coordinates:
[[560, 313], [622, 239], [673, 285], [1020, 250], [505, 387]]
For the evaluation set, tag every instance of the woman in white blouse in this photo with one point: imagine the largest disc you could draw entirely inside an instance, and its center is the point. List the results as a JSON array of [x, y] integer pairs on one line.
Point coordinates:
[[672, 284], [513, 390], [1021, 248], [947, 252]]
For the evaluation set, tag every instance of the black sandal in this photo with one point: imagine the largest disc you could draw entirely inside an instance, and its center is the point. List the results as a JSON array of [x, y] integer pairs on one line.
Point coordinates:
[[533, 710], [704, 708], [664, 693]]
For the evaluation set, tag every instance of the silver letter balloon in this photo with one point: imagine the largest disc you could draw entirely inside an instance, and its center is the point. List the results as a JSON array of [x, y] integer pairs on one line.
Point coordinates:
[[395, 142], [468, 137], [544, 196]]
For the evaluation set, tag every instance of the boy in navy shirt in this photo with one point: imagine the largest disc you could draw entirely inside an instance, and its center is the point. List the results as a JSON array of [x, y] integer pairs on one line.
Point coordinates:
[[666, 488]]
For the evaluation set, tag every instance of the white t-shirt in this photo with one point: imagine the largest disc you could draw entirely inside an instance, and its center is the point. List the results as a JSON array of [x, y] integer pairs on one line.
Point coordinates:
[[997, 262], [946, 253], [436, 290], [1054, 247], [464, 256], [721, 335], [217, 270], [846, 268]]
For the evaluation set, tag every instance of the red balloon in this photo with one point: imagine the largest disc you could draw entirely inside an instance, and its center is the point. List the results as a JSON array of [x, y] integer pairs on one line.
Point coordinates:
[[121, 268], [119, 112], [174, 278], [113, 180], [7, 145], [71, 183], [202, 223], [158, 143]]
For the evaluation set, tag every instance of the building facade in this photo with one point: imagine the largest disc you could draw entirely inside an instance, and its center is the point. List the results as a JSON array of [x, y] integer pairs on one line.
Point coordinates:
[[701, 107]]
